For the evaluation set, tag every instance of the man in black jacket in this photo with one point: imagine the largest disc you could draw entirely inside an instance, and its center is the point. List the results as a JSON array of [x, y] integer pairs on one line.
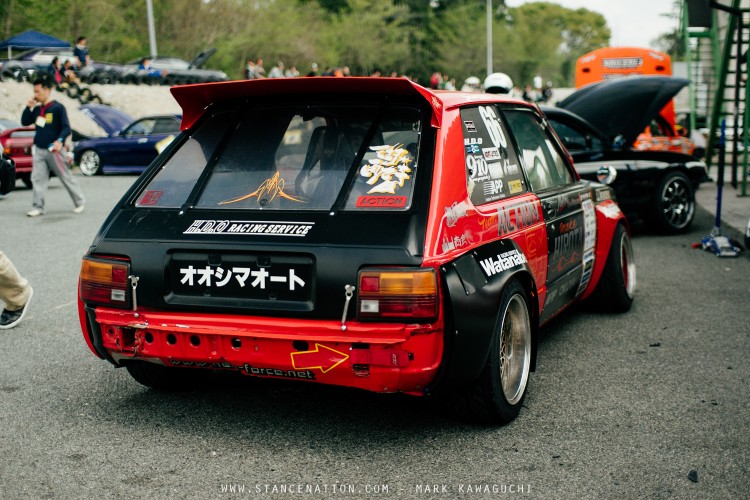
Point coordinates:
[[52, 128]]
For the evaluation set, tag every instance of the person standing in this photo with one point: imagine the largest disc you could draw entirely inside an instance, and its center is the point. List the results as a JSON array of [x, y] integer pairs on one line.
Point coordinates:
[[52, 128], [81, 53], [15, 292]]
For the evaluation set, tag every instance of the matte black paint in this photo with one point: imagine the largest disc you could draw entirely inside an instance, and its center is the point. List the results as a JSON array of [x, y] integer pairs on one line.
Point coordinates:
[[472, 304]]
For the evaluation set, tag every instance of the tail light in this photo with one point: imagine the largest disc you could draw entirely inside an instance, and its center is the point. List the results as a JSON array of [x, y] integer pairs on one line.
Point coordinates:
[[398, 294], [105, 282]]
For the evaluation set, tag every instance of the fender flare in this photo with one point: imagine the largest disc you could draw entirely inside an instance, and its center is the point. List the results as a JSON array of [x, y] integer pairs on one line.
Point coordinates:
[[473, 291]]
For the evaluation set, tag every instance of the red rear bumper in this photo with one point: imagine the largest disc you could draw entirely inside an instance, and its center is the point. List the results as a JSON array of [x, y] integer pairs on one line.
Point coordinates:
[[380, 357]]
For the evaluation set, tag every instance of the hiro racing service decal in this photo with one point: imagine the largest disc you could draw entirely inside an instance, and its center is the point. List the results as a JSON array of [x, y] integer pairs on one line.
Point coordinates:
[[250, 227]]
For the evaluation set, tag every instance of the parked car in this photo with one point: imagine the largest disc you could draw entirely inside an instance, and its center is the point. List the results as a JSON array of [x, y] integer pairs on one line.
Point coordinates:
[[365, 232], [175, 70], [5, 124], [25, 65], [16, 143], [130, 145], [599, 126]]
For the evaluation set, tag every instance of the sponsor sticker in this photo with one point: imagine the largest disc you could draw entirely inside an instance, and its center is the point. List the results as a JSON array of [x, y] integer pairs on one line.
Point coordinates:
[[249, 227], [470, 127], [491, 154], [150, 198], [389, 170], [515, 186], [503, 262], [381, 201]]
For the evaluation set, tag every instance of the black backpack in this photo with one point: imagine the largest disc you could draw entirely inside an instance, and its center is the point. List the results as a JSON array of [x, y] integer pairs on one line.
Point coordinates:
[[7, 174]]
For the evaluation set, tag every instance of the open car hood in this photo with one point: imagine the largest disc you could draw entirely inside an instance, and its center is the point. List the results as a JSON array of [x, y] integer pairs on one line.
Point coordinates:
[[110, 119], [624, 106], [201, 58]]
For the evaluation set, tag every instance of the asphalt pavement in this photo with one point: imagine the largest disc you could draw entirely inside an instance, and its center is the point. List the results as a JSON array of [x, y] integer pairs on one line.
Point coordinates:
[[653, 403], [735, 208]]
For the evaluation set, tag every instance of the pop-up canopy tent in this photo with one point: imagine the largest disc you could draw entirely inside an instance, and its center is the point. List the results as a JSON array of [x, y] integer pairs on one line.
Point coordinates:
[[32, 40]]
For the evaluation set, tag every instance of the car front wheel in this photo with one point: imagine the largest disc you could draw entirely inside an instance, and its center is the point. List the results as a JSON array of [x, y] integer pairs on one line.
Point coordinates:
[[496, 397], [90, 163], [674, 205]]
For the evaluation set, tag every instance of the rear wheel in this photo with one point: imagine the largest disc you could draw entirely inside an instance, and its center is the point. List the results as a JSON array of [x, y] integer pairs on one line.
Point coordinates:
[[673, 207], [616, 287], [90, 163], [496, 397], [162, 377]]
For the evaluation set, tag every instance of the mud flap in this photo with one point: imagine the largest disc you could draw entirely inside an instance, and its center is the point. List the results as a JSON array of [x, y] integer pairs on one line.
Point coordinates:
[[474, 285]]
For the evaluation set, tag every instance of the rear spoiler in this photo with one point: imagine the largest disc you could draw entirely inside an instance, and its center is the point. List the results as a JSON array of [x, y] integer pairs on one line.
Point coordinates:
[[194, 99]]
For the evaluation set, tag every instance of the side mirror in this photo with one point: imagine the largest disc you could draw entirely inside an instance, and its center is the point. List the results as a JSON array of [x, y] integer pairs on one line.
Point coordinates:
[[606, 174]]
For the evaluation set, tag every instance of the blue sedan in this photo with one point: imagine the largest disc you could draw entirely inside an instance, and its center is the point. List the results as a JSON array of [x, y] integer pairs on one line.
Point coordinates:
[[129, 147]]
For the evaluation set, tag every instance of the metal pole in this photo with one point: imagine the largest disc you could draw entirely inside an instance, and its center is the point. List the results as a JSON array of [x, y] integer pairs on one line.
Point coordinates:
[[151, 31], [720, 179], [489, 37], [737, 80]]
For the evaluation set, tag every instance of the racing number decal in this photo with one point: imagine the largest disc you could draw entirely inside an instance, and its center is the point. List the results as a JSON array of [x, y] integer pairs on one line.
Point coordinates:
[[492, 166], [493, 126]]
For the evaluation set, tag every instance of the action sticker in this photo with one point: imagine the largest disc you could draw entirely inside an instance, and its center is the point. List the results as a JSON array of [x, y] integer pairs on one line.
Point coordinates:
[[381, 201]]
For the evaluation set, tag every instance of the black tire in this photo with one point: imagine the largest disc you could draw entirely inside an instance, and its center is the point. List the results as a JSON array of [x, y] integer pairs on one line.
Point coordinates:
[[673, 205], [616, 287], [85, 95], [22, 75], [73, 90], [497, 395], [27, 181], [164, 378]]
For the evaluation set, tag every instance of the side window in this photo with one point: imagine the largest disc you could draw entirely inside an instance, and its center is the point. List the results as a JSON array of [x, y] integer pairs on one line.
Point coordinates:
[[545, 167], [492, 166], [171, 187], [142, 127], [573, 139], [166, 126]]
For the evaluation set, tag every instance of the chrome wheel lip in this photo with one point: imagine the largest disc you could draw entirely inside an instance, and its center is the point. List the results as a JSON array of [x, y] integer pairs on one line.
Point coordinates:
[[515, 349], [89, 163], [677, 204], [627, 263]]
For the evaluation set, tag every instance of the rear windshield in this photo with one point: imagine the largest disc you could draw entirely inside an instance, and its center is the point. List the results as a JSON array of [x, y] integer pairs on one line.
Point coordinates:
[[296, 157]]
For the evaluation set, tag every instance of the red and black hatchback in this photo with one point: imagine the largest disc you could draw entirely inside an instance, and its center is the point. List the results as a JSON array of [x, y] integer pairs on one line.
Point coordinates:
[[358, 232]]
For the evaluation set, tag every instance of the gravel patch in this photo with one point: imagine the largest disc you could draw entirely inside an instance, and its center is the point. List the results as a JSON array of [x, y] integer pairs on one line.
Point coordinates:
[[135, 100]]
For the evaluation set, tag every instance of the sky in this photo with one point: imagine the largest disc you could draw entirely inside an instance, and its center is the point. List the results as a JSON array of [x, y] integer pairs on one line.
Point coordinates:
[[634, 23]]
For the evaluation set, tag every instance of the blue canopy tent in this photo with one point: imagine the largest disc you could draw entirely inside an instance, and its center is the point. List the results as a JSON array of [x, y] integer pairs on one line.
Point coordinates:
[[32, 40]]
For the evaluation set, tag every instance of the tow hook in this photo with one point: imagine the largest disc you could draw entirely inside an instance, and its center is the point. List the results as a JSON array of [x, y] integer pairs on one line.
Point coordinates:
[[134, 284], [348, 293]]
